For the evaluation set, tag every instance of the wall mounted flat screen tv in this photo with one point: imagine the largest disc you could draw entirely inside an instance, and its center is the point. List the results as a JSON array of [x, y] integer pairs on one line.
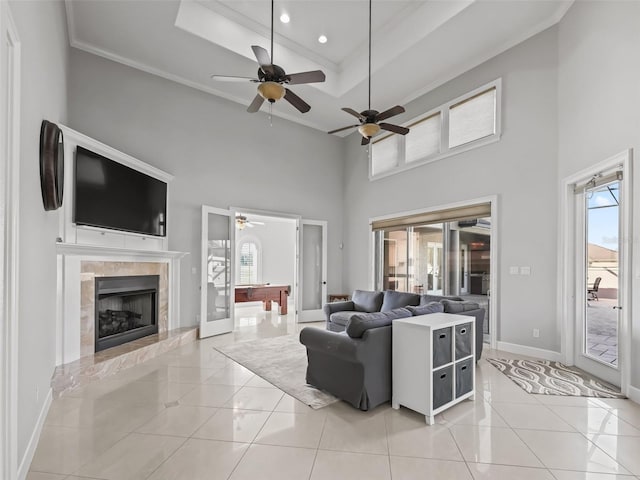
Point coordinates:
[[111, 195]]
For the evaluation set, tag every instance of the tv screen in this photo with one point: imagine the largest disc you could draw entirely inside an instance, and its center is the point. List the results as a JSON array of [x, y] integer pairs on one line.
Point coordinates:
[[111, 195]]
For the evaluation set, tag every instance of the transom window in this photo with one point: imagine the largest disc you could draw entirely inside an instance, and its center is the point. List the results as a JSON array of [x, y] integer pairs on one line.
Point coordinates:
[[467, 122]]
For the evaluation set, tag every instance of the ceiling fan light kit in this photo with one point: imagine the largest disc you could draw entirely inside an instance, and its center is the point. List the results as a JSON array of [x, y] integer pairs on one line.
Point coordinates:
[[271, 91], [369, 119], [368, 130], [272, 78]]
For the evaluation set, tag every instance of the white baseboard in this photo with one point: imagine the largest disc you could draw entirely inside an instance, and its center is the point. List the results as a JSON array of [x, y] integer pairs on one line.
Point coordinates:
[[25, 463], [634, 394], [530, 351]]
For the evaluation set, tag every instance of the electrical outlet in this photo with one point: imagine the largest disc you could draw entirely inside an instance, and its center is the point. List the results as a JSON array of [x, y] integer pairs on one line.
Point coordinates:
[[536, 333]]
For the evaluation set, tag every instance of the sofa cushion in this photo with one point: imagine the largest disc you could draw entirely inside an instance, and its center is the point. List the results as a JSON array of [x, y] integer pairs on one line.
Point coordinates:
[[342, 318], [361, 322], [393, 299], [433, 307], [453, 306], [365, 301], [426, 299]]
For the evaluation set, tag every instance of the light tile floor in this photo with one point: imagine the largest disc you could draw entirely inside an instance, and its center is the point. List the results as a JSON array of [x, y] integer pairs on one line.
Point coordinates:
[[193, 414]]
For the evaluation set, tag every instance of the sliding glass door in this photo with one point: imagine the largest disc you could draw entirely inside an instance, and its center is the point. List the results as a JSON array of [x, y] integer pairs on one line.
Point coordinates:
[[451, 257]]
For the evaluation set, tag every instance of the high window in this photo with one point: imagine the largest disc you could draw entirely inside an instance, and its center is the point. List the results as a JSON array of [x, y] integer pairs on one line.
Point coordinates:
[[466, 122]]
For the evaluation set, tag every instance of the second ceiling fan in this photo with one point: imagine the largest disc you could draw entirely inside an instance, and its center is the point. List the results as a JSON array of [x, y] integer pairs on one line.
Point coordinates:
[[272, 79], [370, 119]]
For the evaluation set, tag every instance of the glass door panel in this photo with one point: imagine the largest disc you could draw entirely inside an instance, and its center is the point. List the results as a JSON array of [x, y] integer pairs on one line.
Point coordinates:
[[314, 270], [426, 259], [602, 222], [217, 293]]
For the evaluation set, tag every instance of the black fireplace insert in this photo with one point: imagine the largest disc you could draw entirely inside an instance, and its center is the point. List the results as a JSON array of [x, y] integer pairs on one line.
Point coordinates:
[[126, 308]]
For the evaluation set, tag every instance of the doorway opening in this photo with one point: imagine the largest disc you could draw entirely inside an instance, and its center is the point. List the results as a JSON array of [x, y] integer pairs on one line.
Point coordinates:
[[265, 271]]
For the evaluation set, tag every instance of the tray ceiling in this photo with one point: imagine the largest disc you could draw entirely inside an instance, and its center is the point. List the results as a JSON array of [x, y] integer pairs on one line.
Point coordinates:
[[417, 45]]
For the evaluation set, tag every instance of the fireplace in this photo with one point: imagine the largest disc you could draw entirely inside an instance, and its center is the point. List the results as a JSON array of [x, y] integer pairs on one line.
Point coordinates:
[[126, 308]]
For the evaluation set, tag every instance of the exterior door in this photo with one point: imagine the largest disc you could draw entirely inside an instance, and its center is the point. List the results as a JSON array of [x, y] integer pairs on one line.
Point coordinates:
[[313, 270], [217, 281], [599, 276]]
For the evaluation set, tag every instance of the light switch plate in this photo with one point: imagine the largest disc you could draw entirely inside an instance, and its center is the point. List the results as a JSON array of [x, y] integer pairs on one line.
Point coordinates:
[[525, 270], [514, 271]]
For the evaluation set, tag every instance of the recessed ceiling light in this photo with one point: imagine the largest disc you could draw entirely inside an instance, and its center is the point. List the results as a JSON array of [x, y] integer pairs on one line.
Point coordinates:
[[322, 39], [284, 18]]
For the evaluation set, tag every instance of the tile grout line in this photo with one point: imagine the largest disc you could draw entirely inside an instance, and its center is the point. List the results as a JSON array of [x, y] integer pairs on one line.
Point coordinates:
[[315, 457]]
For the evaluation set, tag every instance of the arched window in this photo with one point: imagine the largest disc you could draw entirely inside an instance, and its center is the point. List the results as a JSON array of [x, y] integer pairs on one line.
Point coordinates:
[[249, 260]]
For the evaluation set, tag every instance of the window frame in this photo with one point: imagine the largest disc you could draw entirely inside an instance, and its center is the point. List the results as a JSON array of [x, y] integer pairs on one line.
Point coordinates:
[[445, 150]]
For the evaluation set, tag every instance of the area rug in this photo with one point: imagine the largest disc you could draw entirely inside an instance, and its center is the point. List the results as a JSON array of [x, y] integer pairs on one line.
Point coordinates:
[[554, 378], [281, 361]]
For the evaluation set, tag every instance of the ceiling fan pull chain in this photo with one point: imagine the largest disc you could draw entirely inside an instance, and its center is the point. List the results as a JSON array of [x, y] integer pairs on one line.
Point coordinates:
[[270, 114]]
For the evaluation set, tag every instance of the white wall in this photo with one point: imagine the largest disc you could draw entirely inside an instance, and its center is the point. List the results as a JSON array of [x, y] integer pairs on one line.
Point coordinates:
[[277, 240], [599, 102], [521, 169], [42, 30], [220, 155]]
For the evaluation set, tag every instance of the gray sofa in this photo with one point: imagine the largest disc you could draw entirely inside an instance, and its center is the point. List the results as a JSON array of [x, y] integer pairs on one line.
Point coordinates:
[[353, 361], [339, 314]]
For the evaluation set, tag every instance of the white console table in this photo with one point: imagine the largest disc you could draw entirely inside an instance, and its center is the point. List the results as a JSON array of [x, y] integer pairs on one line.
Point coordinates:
[[433, 362]]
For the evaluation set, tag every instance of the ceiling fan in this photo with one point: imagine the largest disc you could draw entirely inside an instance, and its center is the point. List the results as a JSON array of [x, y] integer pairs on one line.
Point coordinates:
[[370, 119], [242, 222], [272, 78]]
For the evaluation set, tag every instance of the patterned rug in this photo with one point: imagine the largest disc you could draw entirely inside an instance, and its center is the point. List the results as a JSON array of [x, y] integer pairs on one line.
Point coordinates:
[[554, 378], [281, 361]]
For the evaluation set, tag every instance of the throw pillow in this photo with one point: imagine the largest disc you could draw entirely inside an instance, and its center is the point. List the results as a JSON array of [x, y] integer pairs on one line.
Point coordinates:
[[452, 306], [433, 307], [393, 300], [365, 301], [362, 322]]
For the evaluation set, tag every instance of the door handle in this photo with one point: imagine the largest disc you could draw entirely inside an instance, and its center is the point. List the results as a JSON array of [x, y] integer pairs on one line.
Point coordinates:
[[324, 283], [617, 307]]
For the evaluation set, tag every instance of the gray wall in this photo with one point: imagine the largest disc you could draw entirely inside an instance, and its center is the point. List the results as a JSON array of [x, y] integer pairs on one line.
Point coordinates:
[[599, 102], [521, 169], [220, 155], [42, 30]]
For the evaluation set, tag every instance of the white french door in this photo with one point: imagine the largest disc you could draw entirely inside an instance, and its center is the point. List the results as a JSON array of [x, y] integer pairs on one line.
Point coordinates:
[[596, 269], [312, 293], [217, 267]]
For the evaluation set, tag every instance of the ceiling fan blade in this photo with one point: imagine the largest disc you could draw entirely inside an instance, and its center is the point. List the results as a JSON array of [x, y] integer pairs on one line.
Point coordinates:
[[343, 128], [296, 101], [255, 105], [264, 60], [306, 77], [392, 112], [229, 78], [394, 128], [365, 141], [257, 223], [354, 113], [249, 224]]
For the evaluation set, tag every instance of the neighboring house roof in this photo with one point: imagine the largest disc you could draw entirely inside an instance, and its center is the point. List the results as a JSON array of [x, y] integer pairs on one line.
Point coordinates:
[[598, 253]]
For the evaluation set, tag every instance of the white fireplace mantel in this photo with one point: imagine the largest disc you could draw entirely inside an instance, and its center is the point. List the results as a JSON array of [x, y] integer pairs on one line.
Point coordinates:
[[70, 258]]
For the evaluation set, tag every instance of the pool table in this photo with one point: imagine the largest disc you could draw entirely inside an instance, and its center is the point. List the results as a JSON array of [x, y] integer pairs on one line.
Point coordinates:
[[266, 294]]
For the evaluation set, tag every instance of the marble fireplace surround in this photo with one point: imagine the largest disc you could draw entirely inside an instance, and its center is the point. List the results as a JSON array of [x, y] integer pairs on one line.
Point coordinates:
[[79, 265]]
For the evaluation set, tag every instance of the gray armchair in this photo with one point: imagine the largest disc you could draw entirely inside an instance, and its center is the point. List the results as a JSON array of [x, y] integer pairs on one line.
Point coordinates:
[[354, 365]]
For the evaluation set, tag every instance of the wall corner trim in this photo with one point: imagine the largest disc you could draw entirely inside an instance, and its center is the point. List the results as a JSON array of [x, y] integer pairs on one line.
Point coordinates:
[[530, 351], [25, 462], [634, 394]]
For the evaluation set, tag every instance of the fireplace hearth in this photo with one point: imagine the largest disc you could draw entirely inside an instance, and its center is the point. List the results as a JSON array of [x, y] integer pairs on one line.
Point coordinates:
[[126, 308]]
